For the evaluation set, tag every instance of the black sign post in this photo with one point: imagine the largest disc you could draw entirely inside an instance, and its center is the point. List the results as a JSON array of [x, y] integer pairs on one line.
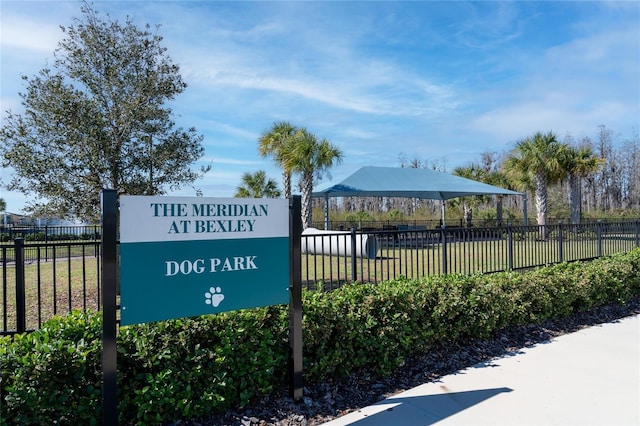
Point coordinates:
[[295, 301], [109, 326]]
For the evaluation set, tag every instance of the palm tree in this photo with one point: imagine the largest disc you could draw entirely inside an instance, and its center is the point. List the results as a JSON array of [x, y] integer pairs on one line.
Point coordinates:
[[310, 157], [579, 163], [257, 185], [272, 143], [535, 163]]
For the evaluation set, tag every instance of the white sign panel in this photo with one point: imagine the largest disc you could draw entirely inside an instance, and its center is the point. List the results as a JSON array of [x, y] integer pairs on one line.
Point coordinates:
[[149, 219]]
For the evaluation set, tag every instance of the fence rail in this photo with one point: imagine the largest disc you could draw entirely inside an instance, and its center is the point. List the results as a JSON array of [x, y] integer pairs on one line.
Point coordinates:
[[50, 278], [343, 225]]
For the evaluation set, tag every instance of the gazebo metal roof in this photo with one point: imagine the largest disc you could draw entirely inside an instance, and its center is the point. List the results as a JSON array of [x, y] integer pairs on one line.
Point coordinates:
[[371, 181]]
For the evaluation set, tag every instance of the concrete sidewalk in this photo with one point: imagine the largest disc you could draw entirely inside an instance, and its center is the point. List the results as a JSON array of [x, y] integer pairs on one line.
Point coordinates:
[[590, 377]]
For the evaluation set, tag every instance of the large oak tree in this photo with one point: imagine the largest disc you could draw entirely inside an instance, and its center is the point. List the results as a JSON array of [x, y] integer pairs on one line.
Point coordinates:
[[98, 118]]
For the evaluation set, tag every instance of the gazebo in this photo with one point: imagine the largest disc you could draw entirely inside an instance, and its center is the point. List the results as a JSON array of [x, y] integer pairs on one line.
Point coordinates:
[[373, 181]]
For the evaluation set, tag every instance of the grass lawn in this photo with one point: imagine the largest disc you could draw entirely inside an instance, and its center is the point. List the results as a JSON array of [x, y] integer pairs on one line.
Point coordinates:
[[59, 286]]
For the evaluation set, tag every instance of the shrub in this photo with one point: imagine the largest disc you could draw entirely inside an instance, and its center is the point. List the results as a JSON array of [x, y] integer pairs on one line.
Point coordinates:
[[365, 326], [35, 236], [53, 375], [189, 367]]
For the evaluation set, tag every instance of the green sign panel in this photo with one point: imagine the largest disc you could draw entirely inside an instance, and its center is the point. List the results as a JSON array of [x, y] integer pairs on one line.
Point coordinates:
[[182, 256]]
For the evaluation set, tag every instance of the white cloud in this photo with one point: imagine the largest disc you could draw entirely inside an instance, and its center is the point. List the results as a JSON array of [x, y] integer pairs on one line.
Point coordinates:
[[488, 25], [572, 87], [29, 35], [616, 50], [317, 65], [511, 123]]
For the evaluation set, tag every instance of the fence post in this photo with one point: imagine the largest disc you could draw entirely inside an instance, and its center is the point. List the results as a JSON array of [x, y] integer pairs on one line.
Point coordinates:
[[95, 241], [354, 265], [21, 320], [510, 247], [637, 233], [560, 253], [599, 237], [46, 243], [443, 238]]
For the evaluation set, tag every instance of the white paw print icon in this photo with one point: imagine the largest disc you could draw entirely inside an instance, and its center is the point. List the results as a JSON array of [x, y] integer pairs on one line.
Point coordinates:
[[214, 296]]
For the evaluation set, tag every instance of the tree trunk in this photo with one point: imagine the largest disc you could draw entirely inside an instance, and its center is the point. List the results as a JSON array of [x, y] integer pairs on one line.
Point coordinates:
[[286, 183], [575, 198], [468, 215], [306, 186], [541, 203]]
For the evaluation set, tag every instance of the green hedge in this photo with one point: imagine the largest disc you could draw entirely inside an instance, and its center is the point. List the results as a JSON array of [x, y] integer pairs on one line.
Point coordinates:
[[41, 236], [187, 368]]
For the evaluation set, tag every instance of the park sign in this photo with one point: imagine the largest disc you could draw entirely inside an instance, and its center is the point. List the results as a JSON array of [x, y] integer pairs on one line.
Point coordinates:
[[188, 256]]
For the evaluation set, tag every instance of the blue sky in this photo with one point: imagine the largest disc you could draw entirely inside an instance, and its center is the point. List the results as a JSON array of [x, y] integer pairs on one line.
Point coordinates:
[[437, 81]]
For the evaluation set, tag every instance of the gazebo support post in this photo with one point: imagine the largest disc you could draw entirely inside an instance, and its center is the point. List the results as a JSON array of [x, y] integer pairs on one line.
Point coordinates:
[[326, 212]]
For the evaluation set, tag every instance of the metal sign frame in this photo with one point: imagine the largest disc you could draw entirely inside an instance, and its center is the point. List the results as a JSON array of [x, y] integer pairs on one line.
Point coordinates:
[[109, 275]]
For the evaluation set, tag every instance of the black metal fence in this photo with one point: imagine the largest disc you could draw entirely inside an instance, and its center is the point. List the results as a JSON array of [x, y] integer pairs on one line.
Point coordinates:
[[40, 280], [51, 278], [331, 259]]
